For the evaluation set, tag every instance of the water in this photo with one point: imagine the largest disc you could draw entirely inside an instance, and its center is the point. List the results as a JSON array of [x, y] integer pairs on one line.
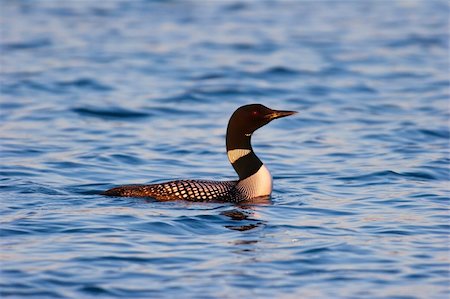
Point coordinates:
[[101, 93]]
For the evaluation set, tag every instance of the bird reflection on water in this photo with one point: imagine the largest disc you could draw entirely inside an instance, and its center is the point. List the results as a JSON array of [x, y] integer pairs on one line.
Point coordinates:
[[244, 220], [242, 215]]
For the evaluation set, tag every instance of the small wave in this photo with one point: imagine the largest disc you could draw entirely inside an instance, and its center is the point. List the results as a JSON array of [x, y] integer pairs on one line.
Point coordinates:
[[443, 133], [389, 174], [419, 175], [319, 90], [15, 173], [237, 6], [84, 83], [159, 227], [5, 232], [89, 230], [279, 71], [420, 40], [402, 75], [360, 88], [188, 96], [95, 290], [54, 87], [167, 111], [127, 159], [394, 232], [320, 211], [337, 72], [201, 225], [386, 108], [110, 113], [209, 76], [27, 84], [423, 135], [315, 250], [27, 45], [263, 47], [25, 291], [204, 94], [365, 177]]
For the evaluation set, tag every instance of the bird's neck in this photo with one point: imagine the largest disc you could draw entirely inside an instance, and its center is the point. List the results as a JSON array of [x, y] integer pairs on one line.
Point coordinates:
[[241, 156]]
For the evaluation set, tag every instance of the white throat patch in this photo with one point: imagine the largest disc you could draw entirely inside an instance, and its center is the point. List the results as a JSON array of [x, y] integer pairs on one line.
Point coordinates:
[[234, 155]]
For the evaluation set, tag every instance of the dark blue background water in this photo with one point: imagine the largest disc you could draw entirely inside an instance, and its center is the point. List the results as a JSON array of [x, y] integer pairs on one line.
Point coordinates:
[[100, 93]]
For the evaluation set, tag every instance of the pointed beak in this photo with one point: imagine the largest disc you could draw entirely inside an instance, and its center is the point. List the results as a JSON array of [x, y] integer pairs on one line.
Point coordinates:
[[279, 113]]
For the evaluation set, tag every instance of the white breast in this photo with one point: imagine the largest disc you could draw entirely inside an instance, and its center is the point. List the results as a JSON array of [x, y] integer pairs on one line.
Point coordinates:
[[258, 184]]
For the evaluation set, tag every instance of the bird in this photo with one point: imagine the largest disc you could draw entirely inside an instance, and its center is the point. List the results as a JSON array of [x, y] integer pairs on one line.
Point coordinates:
[[255, 180]]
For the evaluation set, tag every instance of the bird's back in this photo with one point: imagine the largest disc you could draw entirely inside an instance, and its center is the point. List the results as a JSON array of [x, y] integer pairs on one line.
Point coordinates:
[[191, 190]]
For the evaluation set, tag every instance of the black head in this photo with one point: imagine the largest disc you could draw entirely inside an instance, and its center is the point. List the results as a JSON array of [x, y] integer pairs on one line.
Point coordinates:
[[247, 119], [244, 121]]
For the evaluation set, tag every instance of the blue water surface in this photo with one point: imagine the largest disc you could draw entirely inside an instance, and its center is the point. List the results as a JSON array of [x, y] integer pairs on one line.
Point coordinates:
[[96, 94]]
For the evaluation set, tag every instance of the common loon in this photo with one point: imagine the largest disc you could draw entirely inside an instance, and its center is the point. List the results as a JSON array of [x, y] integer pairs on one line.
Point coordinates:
[[255, 180]]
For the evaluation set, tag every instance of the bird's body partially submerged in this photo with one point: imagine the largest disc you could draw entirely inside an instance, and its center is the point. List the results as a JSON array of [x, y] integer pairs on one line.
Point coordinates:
[[255, 180], [192, 190]]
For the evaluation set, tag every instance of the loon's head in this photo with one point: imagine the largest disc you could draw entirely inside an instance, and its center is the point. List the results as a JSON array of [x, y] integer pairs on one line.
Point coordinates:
[[247, 119], [244, 121]]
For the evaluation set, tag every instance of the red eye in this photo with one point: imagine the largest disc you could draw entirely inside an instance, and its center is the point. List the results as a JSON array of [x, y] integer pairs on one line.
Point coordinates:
[[255, 113]]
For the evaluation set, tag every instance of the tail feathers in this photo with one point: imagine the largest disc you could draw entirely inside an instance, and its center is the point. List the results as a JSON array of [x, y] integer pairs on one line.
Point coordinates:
[[130, 191]]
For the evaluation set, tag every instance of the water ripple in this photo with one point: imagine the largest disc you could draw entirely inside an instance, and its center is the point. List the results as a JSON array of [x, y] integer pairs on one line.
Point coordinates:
[[110, 112]]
